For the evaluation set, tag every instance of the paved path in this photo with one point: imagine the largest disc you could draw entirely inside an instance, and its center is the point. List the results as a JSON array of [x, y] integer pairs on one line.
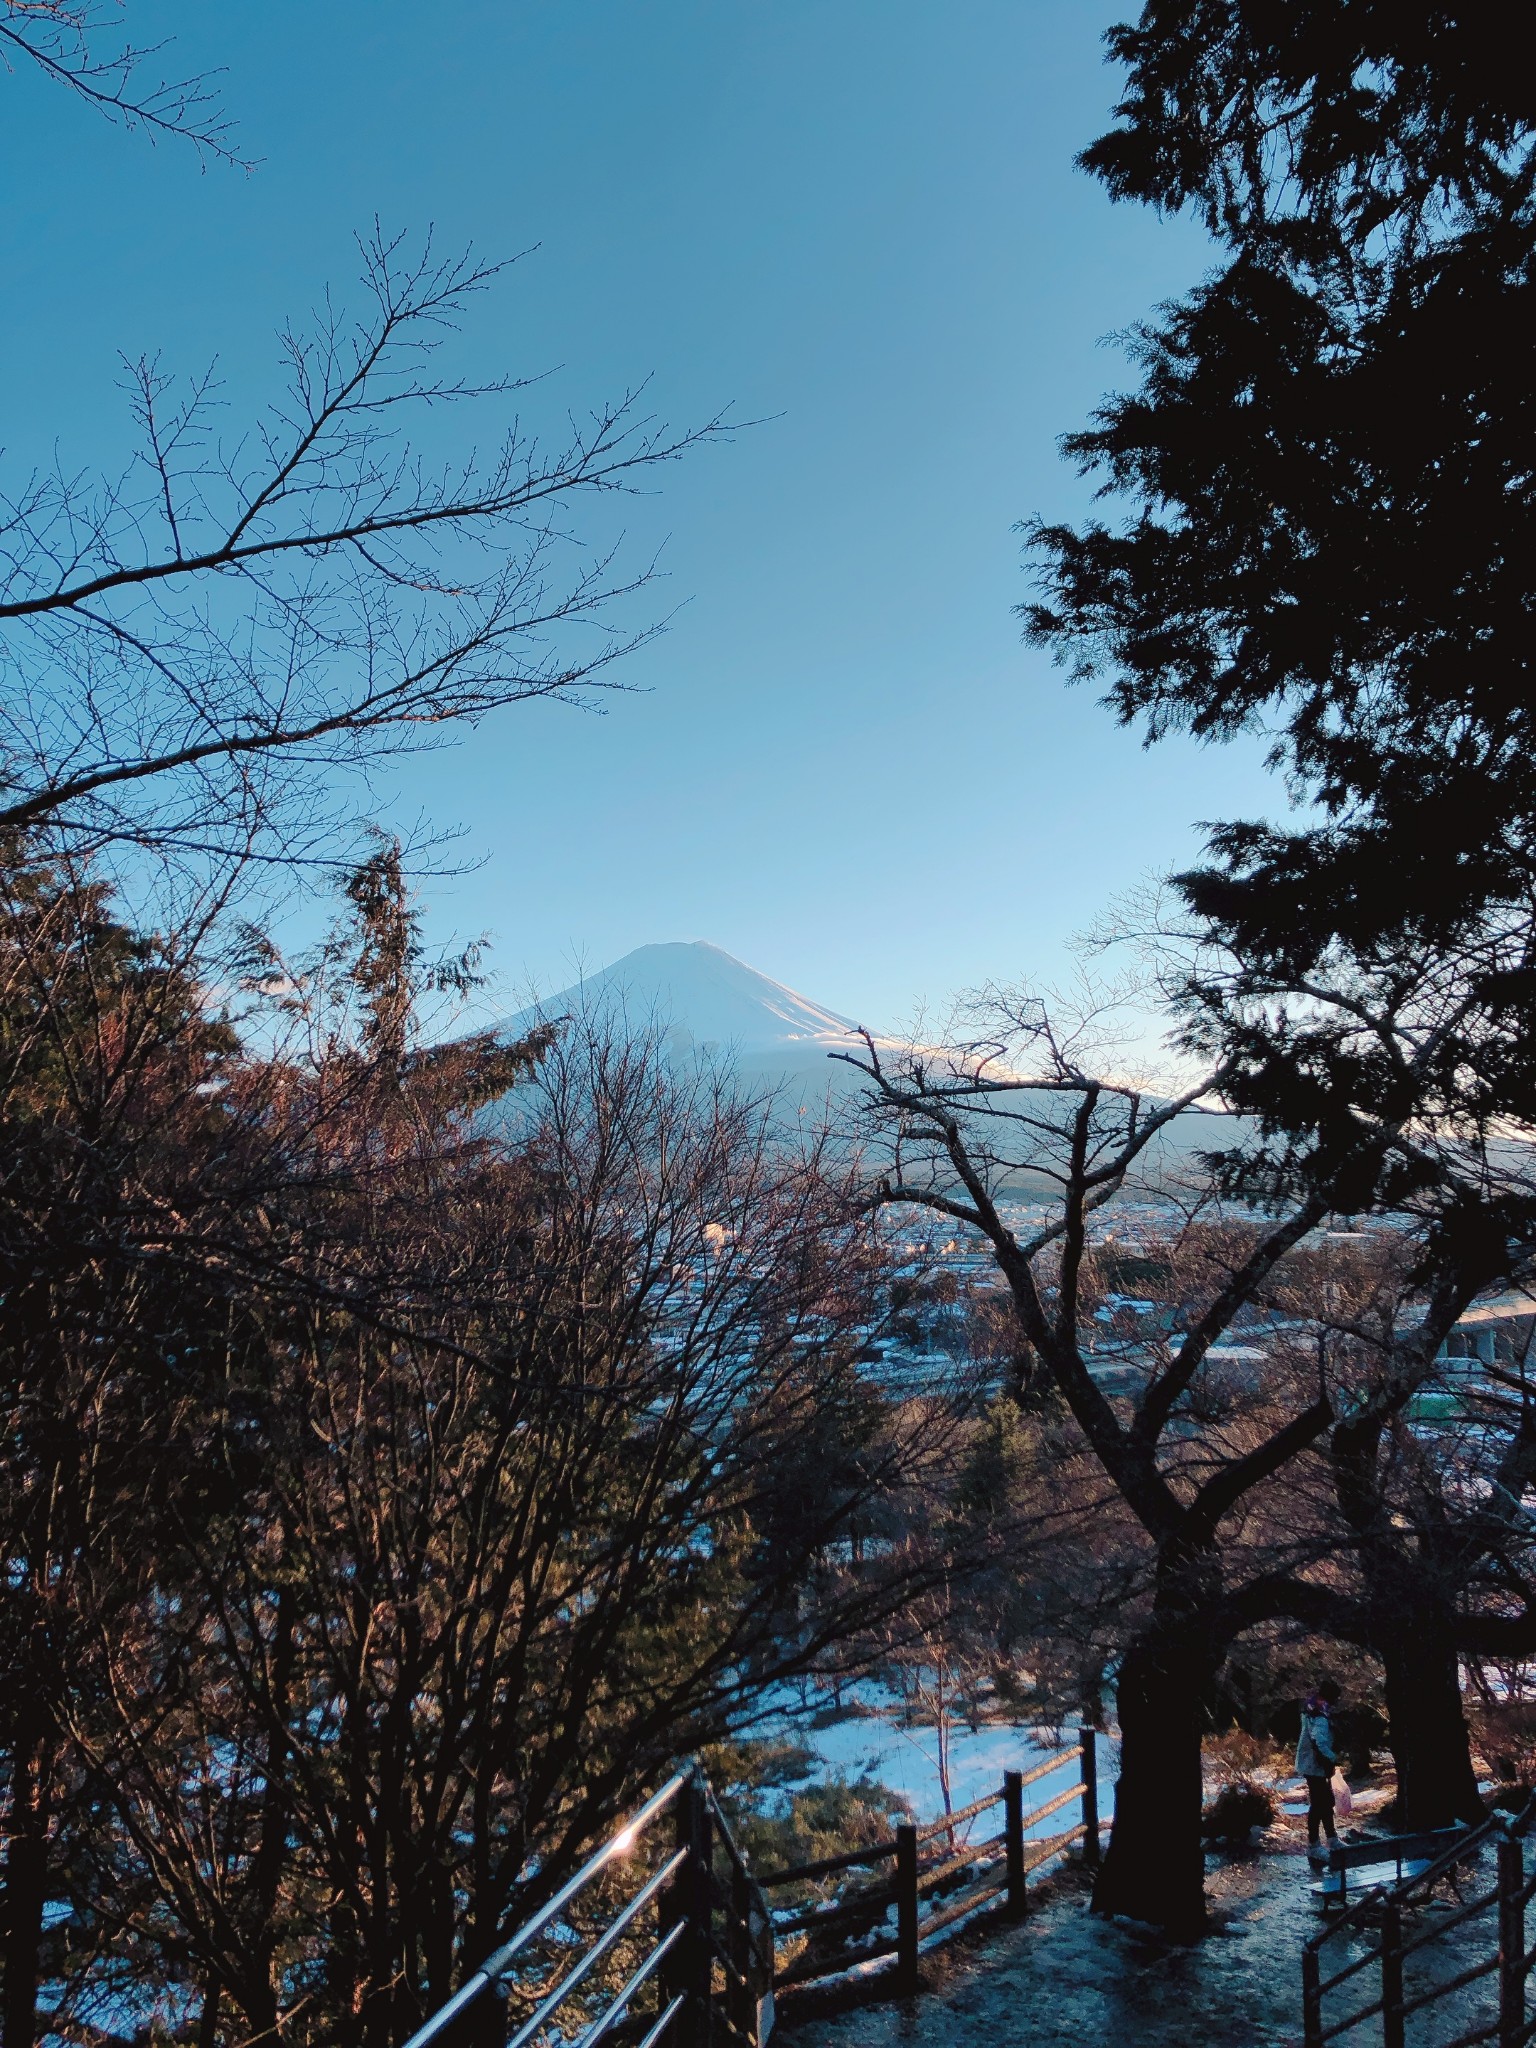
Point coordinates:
[[1063, 1979]]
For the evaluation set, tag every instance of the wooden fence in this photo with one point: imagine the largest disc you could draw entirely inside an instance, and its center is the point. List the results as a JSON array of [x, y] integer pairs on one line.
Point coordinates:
[[928, 1882]]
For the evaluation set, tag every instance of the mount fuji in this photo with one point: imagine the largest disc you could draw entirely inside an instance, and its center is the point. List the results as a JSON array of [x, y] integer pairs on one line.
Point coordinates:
[[706, 1003]]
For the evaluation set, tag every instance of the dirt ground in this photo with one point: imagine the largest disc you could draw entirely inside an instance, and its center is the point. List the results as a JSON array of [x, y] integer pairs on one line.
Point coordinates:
[[1064, 1977]]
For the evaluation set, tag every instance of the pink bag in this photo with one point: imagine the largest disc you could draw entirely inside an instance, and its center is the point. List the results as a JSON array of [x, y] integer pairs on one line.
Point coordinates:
[[1343, 1804]]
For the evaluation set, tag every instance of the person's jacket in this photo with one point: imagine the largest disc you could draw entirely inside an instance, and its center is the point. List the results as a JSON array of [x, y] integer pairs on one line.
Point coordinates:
[[1315, 1756]]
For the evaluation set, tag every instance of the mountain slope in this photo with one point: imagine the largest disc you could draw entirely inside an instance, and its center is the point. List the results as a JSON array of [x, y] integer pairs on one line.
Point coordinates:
[[706, 1004], [705, 1001]]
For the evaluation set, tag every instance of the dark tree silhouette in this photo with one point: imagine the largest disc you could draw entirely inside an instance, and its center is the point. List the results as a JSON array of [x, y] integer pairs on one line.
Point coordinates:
[[194, 643], [1327, 464], [1324, 477], [391, 1485]]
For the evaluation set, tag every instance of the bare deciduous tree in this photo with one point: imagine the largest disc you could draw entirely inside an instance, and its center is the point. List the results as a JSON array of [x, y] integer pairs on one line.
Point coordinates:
[[394, 1484], [186, 644], [1027, 1103]]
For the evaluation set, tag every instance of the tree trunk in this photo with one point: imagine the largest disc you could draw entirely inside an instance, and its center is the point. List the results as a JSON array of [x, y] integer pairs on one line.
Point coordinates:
[[26, 1885], [1154, 1868], [208, 2020], [1436, 1784]]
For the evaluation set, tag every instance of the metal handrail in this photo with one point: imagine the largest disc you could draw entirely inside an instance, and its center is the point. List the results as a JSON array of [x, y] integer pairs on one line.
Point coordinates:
[[550, 2005], [495, 1966], [620, 2002], [664, 2022], [729, 1840], [1366, 2012], [1477, 2035], [692, 1888], [1371, 1899], [1443, 1926], [1447, 1985], [1349, 1970]]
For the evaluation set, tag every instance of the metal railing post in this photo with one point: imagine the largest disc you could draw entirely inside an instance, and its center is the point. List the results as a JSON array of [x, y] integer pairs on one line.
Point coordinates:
[[689, 1969], [672, 1978], [700, 1882], [1013, 1835], [1391, 1975], [1090, 1797], [1511, 1943], [906, 1910], [1311, 1999]]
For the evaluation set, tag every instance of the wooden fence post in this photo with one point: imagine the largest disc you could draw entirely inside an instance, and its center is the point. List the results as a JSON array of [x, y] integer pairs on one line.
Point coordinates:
[[1090, 1797], [906, 1910], [740, 2001], [760, 1940], [1391, 1976], [1013, 1835], [1511, 1943], [1311, 1999]]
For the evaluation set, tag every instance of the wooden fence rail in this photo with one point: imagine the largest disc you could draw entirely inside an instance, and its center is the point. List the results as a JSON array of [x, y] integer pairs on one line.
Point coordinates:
[[994, 1875]]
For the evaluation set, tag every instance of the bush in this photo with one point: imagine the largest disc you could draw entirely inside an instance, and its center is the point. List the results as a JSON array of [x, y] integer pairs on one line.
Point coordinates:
[[782, 1815], [1504, 1732], [1237, 1756], [1236, 1811]]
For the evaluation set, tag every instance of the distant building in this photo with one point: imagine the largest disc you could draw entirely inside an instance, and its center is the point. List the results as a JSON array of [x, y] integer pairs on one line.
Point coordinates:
[[1501, 1331]]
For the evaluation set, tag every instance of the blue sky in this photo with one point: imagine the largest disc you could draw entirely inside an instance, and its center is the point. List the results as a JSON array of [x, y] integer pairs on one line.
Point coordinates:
[[856, 220]]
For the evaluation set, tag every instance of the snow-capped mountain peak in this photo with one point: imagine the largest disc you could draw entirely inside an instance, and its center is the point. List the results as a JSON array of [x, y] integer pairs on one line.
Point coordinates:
[[704, 998]]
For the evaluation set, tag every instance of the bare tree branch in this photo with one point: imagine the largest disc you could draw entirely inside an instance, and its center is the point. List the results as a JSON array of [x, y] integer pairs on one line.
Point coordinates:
[[63, 38], [315, 590]]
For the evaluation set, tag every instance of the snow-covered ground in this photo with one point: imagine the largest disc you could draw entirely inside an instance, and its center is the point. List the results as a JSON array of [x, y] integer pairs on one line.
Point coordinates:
[[874, 1744]]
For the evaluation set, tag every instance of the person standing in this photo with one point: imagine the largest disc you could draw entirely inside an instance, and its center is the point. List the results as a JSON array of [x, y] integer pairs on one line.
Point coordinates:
[[1316, 1757]]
